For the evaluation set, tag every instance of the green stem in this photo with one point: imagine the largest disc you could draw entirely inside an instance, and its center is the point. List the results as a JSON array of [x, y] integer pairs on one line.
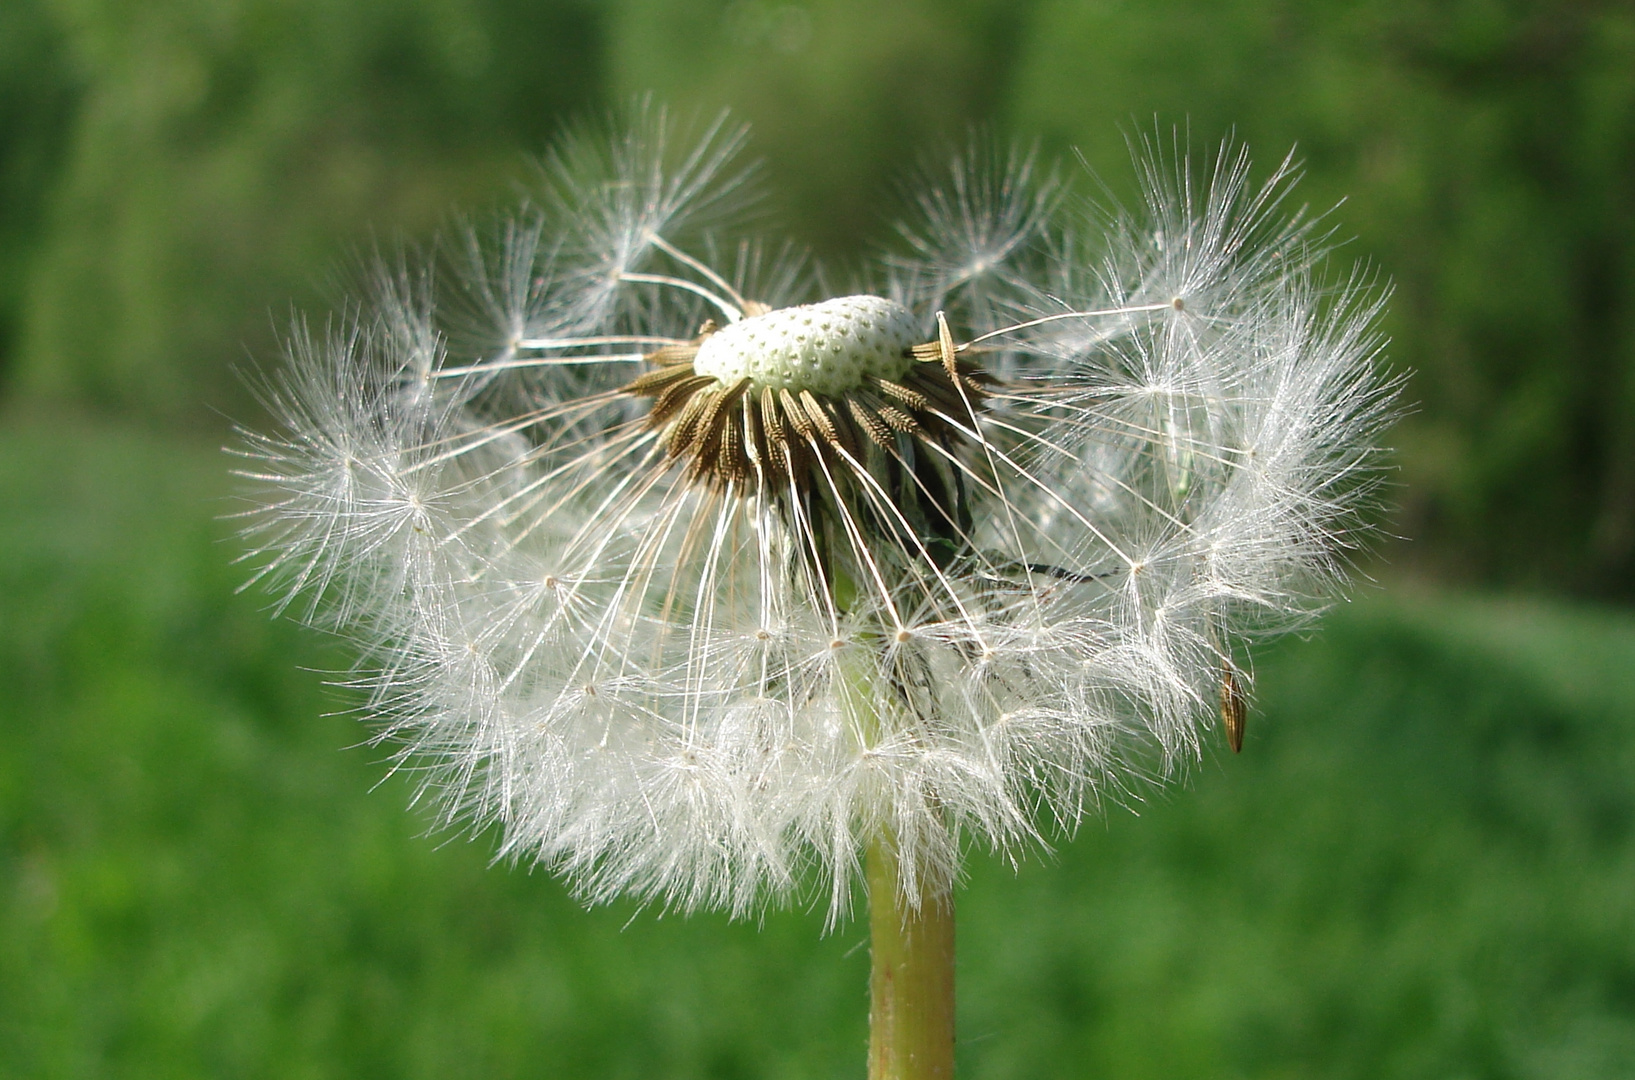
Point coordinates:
[[911, 947], [911, 984]]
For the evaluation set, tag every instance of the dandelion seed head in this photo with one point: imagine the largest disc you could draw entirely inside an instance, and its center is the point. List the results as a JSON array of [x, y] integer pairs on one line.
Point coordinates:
[[697, 581]]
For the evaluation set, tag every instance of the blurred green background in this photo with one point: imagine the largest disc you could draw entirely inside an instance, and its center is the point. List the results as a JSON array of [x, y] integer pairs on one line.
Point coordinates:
[[1423, 865]]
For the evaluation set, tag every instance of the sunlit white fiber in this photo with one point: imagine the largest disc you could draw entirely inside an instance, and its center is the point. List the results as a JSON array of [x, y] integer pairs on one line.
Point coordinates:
[[703, 632]]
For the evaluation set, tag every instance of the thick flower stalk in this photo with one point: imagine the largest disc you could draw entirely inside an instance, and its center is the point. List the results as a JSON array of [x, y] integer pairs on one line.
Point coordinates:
[[704, 582]]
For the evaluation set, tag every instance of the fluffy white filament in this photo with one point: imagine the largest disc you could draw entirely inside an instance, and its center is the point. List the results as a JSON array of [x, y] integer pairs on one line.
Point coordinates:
[[640, 677]]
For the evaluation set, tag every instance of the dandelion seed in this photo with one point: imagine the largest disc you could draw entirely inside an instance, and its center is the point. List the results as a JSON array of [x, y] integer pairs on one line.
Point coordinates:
[[702, 586]]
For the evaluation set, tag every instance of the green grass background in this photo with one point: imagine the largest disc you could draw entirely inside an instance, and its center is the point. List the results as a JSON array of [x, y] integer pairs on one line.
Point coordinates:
[[1422, 865]]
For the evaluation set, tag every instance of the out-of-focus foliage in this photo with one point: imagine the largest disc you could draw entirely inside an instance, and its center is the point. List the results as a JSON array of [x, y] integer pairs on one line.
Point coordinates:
[[36, 101], [175, 175], [1486, 153], [226, 154], [844, 97]]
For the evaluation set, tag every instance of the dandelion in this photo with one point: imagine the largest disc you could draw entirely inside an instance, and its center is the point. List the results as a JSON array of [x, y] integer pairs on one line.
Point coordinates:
[[711, 586]]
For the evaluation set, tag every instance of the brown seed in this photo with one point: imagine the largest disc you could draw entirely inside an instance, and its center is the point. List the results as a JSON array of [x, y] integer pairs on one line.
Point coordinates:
[[945, 346], [897, 391], [672, 354], [712, 425], [1234, 707], [731, 464], [796, 415], [900, 420], [656, 382], [821, 420], [870, 422], [676, 397], [768, 452], [686, 432]]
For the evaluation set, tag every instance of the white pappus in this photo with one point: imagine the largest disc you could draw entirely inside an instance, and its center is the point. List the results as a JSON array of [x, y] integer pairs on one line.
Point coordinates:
[[699, 579]]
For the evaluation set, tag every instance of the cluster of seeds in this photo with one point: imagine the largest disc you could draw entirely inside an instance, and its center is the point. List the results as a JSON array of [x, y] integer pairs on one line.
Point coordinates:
[[771, 399]]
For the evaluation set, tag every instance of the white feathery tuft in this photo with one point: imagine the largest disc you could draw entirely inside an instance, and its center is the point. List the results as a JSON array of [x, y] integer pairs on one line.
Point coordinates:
[[715, 688]]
